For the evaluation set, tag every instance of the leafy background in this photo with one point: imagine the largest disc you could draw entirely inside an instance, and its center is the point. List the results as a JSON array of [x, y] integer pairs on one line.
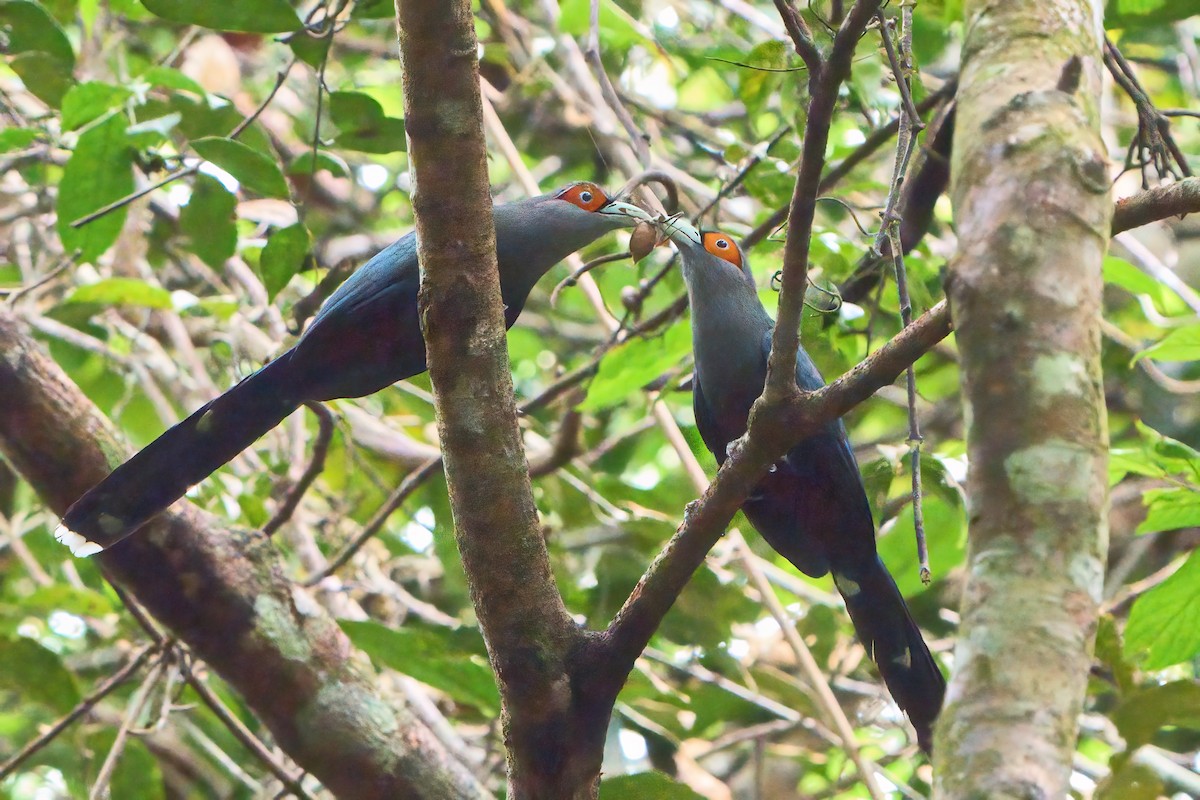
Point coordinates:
[[273, 138]]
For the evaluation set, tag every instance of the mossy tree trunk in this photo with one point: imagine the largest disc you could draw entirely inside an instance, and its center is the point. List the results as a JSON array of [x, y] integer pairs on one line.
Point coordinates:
[[1032, 207]]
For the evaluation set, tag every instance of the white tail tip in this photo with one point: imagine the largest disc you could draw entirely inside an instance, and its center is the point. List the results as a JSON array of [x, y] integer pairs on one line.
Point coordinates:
[[79, 546]]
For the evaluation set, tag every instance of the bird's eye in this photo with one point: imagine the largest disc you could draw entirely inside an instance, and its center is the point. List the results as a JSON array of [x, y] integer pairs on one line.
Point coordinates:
[[721, 246], [586, 195]]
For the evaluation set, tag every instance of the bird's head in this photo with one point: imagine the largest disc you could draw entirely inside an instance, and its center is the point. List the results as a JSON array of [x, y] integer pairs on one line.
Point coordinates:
[[702, 251], [584, 204]]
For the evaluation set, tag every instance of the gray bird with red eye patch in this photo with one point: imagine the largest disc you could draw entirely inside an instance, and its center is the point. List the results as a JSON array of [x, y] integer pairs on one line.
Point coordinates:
[[811, 507], [365, 337]]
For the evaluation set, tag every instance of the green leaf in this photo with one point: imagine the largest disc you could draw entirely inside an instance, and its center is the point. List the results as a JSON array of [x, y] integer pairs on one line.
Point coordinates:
[[252, 169], [645, 786], [1171, 455], [1144, 13], [17, 138], [122, 292], [47, 78], [284, 256], [1119, 272], [168, 78], [618, 30], [1130, 781], [85, 102], [1144, 712], [246, 16], [446, 659], [1164, 623], [1181, 344], [307, 163], [28, 27], [633, 365], [209, 220], [34, 672], [705, 609], [756, 85], [1110, 653], [1170, 509], [99, 172], [945, 534], [363, 126], [151, 132], [312, 50], [374, 9], [72, 599]]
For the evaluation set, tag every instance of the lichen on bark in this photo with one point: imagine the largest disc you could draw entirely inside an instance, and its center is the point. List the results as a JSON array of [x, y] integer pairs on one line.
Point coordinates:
[[1033, 216]]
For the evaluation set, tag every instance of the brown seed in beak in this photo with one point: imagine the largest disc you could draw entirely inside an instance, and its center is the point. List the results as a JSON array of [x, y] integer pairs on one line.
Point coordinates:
[[644, 239]]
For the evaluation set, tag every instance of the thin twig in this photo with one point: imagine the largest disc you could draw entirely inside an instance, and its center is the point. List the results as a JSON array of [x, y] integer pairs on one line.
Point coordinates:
[[244, 734], [132, 713], [910, 127], [901, 63], [315, 465], [412, 481], [82, 707], [636, 137], [573, 278]]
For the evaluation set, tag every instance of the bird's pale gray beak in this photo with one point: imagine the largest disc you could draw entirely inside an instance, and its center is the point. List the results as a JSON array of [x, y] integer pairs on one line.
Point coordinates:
[[617, 208], [681, 232]]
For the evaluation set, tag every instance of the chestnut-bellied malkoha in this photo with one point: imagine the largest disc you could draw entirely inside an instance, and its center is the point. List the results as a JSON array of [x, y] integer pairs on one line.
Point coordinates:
[[811, 507], [365, 337]]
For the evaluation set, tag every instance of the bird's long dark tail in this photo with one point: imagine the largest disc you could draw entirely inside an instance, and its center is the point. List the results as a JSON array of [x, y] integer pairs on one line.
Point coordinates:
[[894, 642], [183, 456]]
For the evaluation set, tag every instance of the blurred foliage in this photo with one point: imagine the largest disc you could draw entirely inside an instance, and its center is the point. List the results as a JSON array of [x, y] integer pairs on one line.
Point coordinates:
[[283, 135]]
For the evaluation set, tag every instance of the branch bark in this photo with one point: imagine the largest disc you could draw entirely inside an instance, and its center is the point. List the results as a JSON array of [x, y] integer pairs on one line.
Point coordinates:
[[1032, 210], [552, 751], [224, 594]]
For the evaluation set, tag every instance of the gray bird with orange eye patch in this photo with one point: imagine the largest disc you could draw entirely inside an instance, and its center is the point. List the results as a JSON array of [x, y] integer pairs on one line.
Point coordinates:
[[365, 337], [811, 507]]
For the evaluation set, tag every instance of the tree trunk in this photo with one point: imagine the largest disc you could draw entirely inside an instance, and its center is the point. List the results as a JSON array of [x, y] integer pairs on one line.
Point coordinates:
[[554, 734], [1032, 208]]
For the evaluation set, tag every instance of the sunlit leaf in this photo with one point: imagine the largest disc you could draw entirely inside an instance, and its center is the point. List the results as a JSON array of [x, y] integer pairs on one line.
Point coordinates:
[[633, 365], [122, 292], [255, 171], [209, 221], [247, 16], [99, 172], [645, 786], [17, 138], [1164, 624], [1144, 712], [85, 102], [362, 124], [34, 672], [284, 256], [1181, 344], [1170, 509], [448, 660]]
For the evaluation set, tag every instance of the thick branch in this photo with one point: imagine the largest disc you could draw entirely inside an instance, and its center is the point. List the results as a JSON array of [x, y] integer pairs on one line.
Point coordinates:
[[223, 593], [781, 381], [526, 627], [1160, 202], [1033, 214]]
